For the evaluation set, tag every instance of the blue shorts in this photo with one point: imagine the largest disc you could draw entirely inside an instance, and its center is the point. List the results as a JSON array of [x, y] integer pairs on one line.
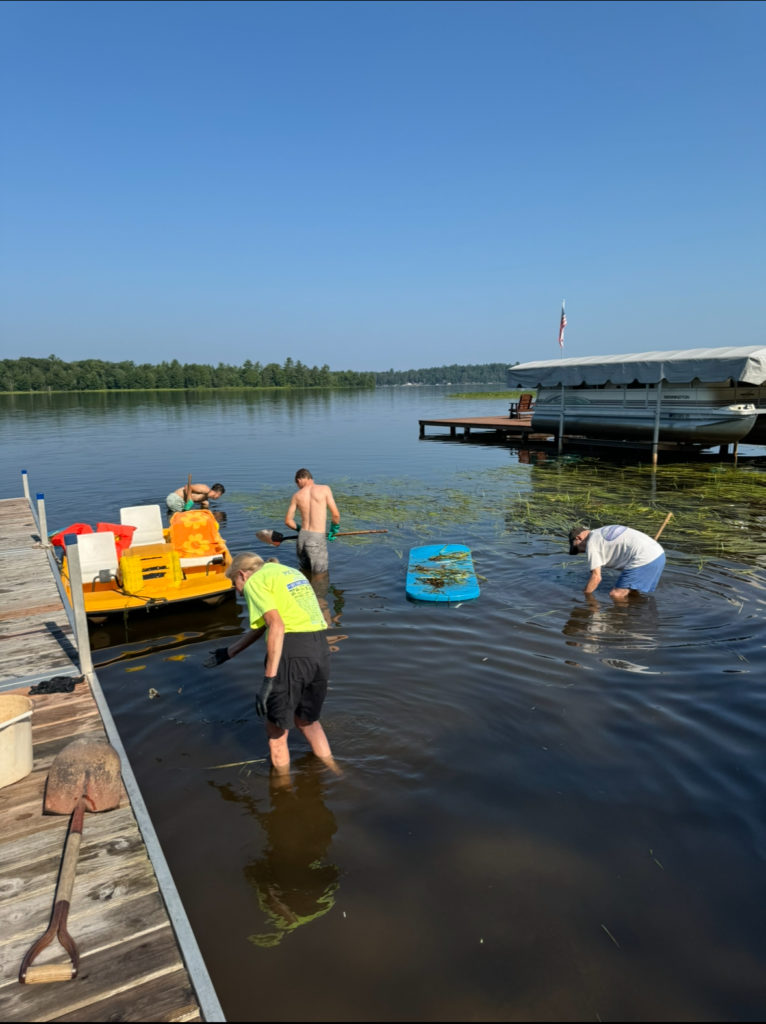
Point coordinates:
[[644, 577]]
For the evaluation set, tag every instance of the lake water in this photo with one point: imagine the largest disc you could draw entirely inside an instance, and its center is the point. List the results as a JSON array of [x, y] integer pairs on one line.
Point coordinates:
[[548, 811]]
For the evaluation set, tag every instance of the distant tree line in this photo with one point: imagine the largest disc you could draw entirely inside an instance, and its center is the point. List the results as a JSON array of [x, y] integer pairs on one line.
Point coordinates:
[[479, 373], [53, 374]]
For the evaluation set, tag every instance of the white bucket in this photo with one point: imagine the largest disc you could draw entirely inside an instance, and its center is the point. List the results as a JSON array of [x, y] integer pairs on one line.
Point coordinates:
[[15, 737]]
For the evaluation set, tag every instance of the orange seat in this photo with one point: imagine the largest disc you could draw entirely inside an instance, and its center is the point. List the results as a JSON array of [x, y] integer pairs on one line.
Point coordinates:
[[195, 534]]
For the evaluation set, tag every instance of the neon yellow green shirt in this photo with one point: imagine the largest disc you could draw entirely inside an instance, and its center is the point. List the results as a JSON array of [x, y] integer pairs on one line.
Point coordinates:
[[284, 589]]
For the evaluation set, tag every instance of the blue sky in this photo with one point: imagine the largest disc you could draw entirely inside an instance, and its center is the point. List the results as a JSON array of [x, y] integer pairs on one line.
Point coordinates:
[[375, 185]]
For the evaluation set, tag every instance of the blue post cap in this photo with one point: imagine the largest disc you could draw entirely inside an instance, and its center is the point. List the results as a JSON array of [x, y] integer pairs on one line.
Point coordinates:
[[40, 496]]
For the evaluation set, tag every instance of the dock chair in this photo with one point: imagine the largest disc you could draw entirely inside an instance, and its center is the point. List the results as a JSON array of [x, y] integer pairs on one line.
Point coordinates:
[[147, 520], [196, 538], [523, 407], [98, 558]]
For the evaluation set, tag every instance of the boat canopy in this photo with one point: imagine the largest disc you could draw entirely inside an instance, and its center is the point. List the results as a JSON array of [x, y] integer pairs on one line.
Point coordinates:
[[678, 366]]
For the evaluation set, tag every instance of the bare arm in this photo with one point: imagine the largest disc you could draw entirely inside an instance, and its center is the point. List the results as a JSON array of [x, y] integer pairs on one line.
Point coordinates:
[[334, 513], [593, 581], [290, 517], [245, 641], [274, 641]]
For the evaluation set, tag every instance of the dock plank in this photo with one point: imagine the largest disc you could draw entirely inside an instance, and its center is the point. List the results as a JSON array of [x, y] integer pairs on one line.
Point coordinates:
[[131, 966]]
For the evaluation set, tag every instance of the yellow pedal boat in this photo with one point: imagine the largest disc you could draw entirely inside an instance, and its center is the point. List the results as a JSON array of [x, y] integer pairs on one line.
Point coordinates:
[[138, 564]]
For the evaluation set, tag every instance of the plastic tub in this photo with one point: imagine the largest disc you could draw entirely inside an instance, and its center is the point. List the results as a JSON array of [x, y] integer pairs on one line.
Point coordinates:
[[15, 737]]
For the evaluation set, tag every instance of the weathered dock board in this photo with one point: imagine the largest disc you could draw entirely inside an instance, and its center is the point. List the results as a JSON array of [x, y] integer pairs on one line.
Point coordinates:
[[131, 966], [35, 632]]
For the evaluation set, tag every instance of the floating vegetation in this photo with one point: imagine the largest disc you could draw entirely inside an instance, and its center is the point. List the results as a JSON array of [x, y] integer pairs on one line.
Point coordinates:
[[450, 573], [719, 510]]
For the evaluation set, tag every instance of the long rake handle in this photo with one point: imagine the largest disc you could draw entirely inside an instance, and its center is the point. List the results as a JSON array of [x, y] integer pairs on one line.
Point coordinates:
[[665, 522], [356, 533]]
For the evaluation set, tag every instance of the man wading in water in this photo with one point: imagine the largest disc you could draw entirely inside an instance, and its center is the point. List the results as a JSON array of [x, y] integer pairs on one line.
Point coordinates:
[[639, 559], [312, 501]]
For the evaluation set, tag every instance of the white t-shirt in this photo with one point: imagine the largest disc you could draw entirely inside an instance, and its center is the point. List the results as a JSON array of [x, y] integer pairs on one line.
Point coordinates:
[[619, 547]]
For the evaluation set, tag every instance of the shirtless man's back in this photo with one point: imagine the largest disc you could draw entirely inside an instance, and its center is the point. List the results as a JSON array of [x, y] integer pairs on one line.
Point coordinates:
[[312, 501]]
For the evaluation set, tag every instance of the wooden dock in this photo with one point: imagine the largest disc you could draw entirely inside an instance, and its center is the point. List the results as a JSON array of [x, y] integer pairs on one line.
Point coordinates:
[[509, 428], [138, 958], [517, 430]]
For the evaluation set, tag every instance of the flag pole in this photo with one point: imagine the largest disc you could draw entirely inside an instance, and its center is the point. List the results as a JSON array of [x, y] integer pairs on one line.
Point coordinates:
[[562, 325]]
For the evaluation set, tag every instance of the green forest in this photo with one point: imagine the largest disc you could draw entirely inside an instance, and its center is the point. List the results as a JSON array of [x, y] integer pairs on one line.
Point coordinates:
[[53, 374], [480, 373]]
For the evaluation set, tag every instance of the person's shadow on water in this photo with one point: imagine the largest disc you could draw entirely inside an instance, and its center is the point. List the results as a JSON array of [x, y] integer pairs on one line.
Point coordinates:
[[292, 878]]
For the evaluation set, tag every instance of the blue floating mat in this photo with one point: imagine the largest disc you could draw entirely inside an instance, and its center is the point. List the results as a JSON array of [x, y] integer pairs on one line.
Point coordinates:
[[441, 572]]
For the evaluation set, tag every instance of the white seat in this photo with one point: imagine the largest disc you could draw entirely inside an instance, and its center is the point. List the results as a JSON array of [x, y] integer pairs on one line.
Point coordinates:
[[147, 520], [98, 553]]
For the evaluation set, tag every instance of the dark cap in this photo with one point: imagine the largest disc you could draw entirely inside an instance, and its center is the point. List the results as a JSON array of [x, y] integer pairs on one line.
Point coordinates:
[[574, 533]]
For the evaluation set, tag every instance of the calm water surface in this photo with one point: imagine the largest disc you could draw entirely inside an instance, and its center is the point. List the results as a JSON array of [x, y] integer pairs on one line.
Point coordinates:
[[547, 811]]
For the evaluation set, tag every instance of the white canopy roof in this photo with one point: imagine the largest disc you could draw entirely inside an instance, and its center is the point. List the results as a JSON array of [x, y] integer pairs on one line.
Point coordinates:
[[679, 366]]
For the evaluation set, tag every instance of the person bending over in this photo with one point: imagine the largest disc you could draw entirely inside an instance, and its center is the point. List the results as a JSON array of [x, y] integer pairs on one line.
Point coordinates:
[[282, 604], [199, 494], [639, 558]]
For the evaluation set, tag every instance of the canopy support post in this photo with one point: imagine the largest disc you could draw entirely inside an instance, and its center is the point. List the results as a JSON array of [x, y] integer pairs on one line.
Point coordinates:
[[656, 433]]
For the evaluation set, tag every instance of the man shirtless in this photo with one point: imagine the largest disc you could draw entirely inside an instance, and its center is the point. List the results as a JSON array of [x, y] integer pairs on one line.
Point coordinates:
[[200, 494], [312, 501]]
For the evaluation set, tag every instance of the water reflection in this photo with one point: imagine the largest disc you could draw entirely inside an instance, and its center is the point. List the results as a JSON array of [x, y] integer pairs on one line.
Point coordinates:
[[593, 625], [293, 879]]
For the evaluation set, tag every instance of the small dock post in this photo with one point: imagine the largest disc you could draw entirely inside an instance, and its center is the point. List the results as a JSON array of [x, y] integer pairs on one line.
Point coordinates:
[[42, 520], [78, 608]]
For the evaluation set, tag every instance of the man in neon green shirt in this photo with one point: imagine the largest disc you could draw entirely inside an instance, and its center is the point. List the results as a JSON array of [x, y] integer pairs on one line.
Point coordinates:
[[282, 604]]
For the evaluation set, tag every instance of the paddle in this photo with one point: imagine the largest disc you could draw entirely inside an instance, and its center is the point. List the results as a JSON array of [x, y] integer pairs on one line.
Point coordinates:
[[275, 538]]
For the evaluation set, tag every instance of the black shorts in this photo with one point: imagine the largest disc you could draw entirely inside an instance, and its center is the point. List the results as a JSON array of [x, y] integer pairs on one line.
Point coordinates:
[[301, 683]]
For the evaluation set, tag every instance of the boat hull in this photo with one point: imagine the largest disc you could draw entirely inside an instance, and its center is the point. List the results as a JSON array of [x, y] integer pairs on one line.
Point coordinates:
[[687, 415]]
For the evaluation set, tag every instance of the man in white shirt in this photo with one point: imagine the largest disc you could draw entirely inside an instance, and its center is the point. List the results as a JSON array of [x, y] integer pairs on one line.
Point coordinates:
[[640, 559]]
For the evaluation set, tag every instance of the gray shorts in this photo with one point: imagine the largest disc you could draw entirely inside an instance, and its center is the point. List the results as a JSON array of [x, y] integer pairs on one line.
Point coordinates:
[[312, 551], [174, 503]]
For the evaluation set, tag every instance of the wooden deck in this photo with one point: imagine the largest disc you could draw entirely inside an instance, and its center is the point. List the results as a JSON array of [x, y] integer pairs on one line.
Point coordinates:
[[518, 430], [131, 965], [505, 427]]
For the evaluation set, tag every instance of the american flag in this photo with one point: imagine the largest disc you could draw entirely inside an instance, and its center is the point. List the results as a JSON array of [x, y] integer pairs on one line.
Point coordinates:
[[562, 325]]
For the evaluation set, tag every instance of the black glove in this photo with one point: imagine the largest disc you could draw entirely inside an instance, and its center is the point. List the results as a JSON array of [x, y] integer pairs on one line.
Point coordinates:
[[218, 657], [263, 695]]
